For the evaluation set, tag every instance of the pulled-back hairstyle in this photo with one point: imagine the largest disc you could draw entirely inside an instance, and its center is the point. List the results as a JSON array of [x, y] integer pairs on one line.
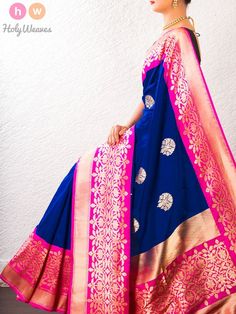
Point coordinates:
[[187, 1]]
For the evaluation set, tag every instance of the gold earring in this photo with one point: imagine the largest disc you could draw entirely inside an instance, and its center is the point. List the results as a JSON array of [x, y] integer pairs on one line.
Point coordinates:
[[175, 4]]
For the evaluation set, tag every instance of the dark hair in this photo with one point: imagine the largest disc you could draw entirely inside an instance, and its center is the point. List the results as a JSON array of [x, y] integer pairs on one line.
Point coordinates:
[[187, 1]]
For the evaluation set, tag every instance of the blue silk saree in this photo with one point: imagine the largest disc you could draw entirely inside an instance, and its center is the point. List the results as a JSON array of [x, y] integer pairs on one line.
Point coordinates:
[[147, 225]]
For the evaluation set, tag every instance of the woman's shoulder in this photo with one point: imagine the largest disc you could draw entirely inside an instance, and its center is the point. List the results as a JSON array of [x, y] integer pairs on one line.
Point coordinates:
[[167, 41], [178, 33], [167, 36], [186, 37], [169, 46]]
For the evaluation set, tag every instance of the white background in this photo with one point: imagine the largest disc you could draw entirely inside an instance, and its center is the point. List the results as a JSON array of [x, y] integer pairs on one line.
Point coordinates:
[[61, 92]]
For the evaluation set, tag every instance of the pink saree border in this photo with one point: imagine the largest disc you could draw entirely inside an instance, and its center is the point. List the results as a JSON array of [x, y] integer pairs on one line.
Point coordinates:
[[47, 245], [180, 61], [72, 233], [37, 247], [31, 281], [216, 115], [150, 64], [188, 283], [80, 217], [182, 123], [225, 305], [108, 288], [170, 51], [20, 297], [193, 231]]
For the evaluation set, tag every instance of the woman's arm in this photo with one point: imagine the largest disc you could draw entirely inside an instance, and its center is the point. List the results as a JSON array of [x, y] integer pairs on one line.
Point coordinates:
[[118, 130], [136, 115]]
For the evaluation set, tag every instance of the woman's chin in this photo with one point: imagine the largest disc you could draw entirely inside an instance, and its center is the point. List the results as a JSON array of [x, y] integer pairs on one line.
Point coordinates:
[[155, 8]]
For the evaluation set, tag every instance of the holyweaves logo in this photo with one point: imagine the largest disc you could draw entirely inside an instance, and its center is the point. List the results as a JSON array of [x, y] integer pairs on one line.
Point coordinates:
[[18, 11]]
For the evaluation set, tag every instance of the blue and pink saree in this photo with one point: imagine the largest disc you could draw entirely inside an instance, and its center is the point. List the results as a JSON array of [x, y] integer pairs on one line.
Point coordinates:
[[147, 225]]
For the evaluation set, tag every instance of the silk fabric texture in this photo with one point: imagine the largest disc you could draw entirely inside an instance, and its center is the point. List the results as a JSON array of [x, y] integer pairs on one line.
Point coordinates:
[[147, 225]]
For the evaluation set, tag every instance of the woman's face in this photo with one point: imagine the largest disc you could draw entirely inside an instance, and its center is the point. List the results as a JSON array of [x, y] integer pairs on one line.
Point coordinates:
[[161, 5]]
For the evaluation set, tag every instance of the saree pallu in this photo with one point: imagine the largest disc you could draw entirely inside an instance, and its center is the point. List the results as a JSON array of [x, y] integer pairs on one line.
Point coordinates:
[[147, 225]]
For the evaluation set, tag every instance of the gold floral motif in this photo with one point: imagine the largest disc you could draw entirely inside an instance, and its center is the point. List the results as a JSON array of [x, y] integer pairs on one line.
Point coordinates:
[[167, 146], [165, 45], [141, 176], [204, 160], [204, 273], [43, 266], [108, 286], [149, 101], [135, 225], [165, 201]]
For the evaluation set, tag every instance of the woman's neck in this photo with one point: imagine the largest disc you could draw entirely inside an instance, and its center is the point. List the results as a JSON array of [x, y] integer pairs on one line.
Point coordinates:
[[175, 13]]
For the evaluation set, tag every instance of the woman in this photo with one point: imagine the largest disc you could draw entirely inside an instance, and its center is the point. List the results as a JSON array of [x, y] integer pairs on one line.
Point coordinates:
[[146, 222]]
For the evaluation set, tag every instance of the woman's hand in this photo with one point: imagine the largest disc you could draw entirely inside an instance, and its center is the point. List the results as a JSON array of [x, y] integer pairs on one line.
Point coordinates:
[[115, 133], [118, 130]]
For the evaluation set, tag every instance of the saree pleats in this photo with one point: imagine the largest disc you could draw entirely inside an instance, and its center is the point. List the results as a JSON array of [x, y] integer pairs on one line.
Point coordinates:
[[80, 212], [40, 271]]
